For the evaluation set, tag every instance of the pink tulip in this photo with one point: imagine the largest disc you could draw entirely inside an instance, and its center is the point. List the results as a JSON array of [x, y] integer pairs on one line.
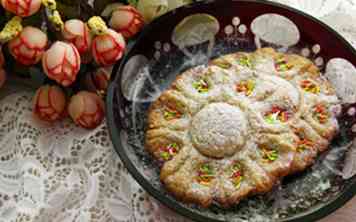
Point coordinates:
[[49, 103], [126, 20], [98, 81], [86, 109], [22, 8], [2, 77], [77, 32], [62, 63], [29, 46], [108, 48]]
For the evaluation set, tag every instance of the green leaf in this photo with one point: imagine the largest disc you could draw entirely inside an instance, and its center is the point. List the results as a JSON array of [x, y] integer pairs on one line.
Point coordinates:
[[67, 2], [2, 18], [34, 20], [132, 2], [68, 11], [99, 5], [86, 10], [37, 76]]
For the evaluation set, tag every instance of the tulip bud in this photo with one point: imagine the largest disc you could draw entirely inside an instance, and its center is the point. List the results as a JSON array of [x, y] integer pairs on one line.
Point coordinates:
[[99, 80], [86, 109], [49, 103], [62, 63], [126, 20], [2, 77], [108, 48], [29, 46], [22, 8], [77, 32]]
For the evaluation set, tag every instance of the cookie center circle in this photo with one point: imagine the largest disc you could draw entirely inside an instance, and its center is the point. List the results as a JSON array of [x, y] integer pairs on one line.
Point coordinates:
[[219, 130]]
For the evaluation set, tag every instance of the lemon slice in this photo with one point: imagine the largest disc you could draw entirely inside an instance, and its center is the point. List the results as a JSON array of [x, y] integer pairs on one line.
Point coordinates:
[[151, 9], [195, 29], [173, 4], [110, 8]]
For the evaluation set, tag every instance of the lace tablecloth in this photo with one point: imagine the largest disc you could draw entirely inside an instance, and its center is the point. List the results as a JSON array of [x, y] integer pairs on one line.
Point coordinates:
[[64, 173]]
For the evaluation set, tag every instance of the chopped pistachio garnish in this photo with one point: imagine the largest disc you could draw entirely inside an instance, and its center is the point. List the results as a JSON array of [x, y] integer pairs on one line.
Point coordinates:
[[269, 153], [222, 63], [245, 61], [236, 175], [201, 85], [170, 113], [321, 113], [304, 144], [205, 174], [271, 118], [281, 64], [310, 87], [246, 87], [169, 151], [277, 114]]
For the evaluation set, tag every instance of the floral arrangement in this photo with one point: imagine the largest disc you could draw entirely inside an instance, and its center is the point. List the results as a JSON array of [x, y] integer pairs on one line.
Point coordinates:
[[66, 49]]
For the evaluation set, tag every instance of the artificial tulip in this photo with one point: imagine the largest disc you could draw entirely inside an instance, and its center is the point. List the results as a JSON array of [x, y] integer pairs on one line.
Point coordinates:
[[108, 48], [49, 103], [28, 47], [77, 32], [86, 109], [62, 63], [98, 81], [22, 8], [126, 20]]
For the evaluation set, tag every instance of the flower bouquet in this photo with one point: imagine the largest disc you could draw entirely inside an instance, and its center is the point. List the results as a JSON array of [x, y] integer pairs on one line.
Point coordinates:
[[66, 50]]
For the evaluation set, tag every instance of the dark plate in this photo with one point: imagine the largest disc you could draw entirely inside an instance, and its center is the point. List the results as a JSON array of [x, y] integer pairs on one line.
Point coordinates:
[[154, 61]]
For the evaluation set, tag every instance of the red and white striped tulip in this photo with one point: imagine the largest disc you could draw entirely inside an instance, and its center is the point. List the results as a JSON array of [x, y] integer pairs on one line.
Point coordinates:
[[49, 103], [77, 32], [29, 46], [22, 8], [108, 48], [126, 20], [2, 77], [98, 80], [62, 63], [86, 109]]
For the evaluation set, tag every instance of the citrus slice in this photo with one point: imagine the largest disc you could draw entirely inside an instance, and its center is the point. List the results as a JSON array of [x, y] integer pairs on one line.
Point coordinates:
[[173, 4], [195, 29], [110, 8], [151, 9]]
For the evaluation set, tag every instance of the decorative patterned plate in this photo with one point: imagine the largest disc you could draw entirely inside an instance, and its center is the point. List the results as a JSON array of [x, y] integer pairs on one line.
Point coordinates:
[[192, 35]]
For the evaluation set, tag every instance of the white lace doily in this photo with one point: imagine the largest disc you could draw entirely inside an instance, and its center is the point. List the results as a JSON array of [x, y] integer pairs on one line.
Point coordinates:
[[63, 173]]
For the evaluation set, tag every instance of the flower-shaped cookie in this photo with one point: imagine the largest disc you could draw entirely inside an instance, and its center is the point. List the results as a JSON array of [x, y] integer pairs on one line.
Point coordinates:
[[235, 127]]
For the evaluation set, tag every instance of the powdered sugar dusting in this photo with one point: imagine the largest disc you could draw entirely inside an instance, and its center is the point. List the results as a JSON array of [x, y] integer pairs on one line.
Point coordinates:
[[219, 129]]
